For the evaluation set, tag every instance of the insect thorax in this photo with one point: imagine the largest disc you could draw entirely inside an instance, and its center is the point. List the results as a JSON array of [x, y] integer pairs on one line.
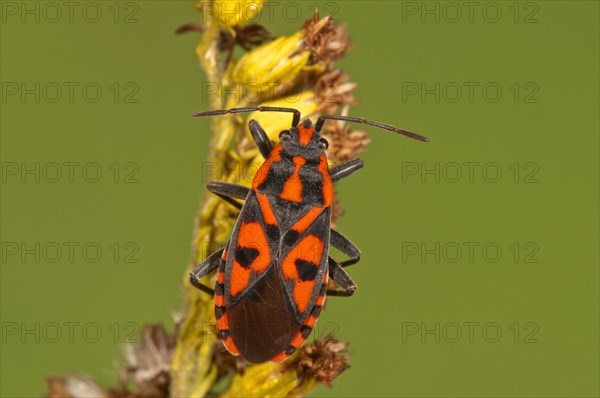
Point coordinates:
[[296, 179]]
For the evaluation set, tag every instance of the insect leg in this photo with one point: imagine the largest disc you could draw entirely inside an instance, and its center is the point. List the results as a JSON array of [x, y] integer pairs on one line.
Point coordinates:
[[262, 141], [204, 268], [344, 245], [227, 191], [343, 170], [341, 277]]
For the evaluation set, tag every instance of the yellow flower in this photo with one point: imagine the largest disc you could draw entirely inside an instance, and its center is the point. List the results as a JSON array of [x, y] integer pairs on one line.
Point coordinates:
[[270, 67], [230, 13], [264, 380]]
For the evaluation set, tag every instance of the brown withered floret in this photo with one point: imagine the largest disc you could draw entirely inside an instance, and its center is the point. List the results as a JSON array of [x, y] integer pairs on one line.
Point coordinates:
[[149, 361], [324, 360], [344, 143], [333, 89], [75, 386], [326, 42], [57, 387]]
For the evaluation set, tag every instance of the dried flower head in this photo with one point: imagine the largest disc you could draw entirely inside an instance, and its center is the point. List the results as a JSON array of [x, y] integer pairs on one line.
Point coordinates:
[[344, 143], [324, 360], [333, 89], [75, 386], [150, 361], [325, 41]]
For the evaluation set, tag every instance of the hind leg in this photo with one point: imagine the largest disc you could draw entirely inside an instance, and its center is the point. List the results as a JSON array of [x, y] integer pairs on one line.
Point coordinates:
[[204, 268], [344, 245], [342, 278]]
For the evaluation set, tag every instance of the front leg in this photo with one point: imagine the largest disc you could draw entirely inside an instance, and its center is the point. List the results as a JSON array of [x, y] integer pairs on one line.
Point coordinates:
[[262, 141], [228, 191]]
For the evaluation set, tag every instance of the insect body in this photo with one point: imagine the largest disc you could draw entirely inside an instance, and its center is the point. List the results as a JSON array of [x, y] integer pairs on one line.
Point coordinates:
[[273, 274]]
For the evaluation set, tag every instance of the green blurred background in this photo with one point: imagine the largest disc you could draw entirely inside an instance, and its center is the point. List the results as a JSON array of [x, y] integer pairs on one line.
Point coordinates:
[[431, 316]]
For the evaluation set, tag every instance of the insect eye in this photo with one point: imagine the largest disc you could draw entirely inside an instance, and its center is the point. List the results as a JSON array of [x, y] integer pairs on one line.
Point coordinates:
[[285, 134], [324, 143]]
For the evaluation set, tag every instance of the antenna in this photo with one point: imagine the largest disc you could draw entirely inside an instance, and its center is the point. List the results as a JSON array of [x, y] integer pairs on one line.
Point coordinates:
[[361, 120], [295, 120]]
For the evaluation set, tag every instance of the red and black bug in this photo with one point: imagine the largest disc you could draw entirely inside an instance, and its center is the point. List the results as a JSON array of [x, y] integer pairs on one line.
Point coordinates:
[[273, 274]]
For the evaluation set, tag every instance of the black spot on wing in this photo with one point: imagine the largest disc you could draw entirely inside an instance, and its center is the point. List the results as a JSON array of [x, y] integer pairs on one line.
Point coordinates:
[[245, 256], [291, 237], [307, 270], [272, 233]]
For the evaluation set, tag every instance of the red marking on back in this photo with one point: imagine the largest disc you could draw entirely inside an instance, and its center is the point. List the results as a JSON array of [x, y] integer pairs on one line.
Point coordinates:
[[305, 134], [292, 189], [267, 210], [250, 235], [223, 322], [311, 321], [298, 340], [279, 357], [320, 301], [309, 249], [327, 184], [307, 219], [240, 277], [220, 301], [263, 171], [228, 343]]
